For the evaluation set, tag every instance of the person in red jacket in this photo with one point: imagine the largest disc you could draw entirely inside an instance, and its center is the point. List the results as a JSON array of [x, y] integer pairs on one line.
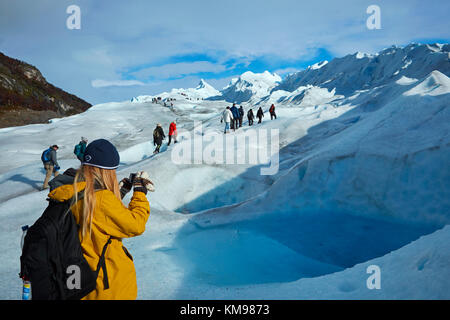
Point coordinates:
[[173, 132], [272, 112]]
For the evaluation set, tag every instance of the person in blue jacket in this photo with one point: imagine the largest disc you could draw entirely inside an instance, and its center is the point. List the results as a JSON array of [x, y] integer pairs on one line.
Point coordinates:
[[236, 115], [51, 166]]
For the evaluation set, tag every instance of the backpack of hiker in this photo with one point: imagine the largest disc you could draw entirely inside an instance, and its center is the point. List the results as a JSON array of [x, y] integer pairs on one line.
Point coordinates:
[[260, 113], [52, 258], [272, 112], [45, 157], [80, 148], [156, 135]]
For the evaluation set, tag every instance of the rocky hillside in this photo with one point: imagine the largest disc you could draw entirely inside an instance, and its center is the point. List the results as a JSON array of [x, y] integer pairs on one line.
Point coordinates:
[[26, 97]]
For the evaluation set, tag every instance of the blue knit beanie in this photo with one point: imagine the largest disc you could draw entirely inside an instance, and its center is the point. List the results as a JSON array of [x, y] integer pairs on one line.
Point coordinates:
[[102, 154]]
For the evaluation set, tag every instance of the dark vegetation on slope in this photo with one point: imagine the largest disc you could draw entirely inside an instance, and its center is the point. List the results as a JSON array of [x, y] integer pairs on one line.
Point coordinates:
[[26, 97]]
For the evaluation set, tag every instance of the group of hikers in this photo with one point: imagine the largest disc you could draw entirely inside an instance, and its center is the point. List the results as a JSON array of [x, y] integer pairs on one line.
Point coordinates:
[[49, 156], [159, 136], [50, 159], [159, 99], [233, 116]]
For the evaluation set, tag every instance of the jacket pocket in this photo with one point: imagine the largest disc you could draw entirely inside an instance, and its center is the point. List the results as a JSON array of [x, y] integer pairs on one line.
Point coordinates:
[[127, 253]]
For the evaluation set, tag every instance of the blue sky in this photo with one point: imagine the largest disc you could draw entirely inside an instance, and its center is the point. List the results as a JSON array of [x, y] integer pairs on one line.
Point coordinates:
[[130, 48]]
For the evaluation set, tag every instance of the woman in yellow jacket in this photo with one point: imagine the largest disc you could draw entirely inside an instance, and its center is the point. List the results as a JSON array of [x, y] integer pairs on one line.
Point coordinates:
[[104, 221]]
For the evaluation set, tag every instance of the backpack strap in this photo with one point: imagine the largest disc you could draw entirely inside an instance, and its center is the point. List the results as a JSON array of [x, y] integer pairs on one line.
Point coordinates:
[[80, 195], [102, 264]]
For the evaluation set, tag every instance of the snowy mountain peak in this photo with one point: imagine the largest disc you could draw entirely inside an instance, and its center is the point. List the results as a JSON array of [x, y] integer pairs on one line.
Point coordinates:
[[435, 84], [436, 47], [362, 55], [318, 65], [250, 86], [203, 84], [204, 90], [266, 76], [231, 83]]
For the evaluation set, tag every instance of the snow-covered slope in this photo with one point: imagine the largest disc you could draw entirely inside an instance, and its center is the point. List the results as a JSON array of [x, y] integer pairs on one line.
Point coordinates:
[[377, 161], [362, 180], [435, 84], [303, 96]]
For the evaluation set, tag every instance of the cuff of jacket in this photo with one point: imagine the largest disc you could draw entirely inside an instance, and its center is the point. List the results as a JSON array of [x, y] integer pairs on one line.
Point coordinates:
[[141, 189]]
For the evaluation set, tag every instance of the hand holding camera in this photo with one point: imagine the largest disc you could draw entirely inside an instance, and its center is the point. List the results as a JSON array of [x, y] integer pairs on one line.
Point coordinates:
[[141, 182]]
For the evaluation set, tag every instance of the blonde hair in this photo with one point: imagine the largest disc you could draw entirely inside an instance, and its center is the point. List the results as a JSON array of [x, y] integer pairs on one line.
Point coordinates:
[[95, 179]]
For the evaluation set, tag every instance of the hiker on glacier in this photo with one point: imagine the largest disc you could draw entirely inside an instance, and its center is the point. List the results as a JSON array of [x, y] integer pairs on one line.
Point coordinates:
[[241, 116], [260, 114], [104, 220], [51, 165], [272, 112], [235, 111], [173, 132], [158, 137], [80, 148], [250, 117], [227, 116]]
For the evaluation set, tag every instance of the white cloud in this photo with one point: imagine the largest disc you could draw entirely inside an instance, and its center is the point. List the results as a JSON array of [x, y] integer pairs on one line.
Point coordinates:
[[116, 37], [99, 83], [178, 69]]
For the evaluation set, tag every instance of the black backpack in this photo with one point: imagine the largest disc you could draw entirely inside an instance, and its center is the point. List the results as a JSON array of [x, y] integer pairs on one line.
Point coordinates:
[[52, 256]]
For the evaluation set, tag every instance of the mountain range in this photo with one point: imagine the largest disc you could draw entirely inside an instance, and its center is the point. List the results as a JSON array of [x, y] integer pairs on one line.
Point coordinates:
[[341, 77]]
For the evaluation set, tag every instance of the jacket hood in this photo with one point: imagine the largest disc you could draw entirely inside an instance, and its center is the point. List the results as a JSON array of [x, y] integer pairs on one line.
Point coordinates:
[[66, 192]]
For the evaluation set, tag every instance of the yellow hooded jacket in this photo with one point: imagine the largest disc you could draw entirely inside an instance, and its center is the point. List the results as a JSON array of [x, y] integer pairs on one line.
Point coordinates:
[[110, 219]]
